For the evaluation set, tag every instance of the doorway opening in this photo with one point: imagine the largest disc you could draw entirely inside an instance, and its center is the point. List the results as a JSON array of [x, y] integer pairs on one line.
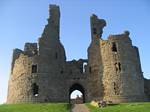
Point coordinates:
[[76, 94]]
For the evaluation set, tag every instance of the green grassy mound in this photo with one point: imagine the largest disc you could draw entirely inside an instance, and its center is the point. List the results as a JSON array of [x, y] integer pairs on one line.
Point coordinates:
[[125, 107], [43, 107]]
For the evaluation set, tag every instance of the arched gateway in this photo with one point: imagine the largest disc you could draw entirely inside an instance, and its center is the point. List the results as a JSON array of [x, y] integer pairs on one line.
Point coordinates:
[[40, 72], [79, 88]]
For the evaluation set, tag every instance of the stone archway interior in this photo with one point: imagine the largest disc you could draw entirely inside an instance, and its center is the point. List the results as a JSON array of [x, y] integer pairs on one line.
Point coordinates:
[[76, 94]]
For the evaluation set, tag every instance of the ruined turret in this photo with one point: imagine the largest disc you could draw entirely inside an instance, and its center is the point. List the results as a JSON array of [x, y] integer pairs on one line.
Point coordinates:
[[97, 26], [95, 67]]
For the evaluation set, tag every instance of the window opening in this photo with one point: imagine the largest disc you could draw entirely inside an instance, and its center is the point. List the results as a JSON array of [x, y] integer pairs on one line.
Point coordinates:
[[114, 47], [116, 89], [118, 67], [35, 89], [84, 66], [34, 68]]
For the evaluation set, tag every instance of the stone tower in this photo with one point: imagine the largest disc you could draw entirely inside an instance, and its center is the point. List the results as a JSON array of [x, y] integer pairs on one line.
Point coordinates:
[[94, 58], [112, 72]]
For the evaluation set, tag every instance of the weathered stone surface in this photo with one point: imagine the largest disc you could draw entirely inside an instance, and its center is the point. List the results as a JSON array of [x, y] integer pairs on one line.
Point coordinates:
[[41, 73], [147, 87]]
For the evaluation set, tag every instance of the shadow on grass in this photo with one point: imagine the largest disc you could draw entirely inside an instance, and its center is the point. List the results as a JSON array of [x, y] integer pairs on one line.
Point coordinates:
[[112, 104]]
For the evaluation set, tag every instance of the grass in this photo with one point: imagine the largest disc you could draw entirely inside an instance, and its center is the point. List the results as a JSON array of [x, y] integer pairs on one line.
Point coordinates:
[[124, 107], [64, 107], [43, 107]]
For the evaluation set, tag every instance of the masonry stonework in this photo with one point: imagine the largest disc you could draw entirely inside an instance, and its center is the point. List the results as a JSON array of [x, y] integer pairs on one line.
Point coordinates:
[[112, 72]]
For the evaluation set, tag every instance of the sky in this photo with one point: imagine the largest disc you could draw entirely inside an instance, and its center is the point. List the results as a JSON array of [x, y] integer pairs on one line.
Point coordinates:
[[23, 21]]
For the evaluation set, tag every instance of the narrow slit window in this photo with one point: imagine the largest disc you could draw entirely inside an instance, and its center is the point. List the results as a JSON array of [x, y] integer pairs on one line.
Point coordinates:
[[114, 47], [117, 66], [34, 68], [35, 89], [116, 89]]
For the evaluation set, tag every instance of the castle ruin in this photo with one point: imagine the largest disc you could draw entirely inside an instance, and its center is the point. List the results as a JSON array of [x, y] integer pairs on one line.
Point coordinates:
[[112, 72]]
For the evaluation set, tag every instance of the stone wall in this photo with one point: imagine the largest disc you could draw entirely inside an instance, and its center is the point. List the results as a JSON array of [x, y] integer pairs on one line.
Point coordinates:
[[147, 87]]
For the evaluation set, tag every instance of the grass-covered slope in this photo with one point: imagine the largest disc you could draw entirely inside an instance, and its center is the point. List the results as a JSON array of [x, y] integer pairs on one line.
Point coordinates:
[[43, 107], [125, 107]]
